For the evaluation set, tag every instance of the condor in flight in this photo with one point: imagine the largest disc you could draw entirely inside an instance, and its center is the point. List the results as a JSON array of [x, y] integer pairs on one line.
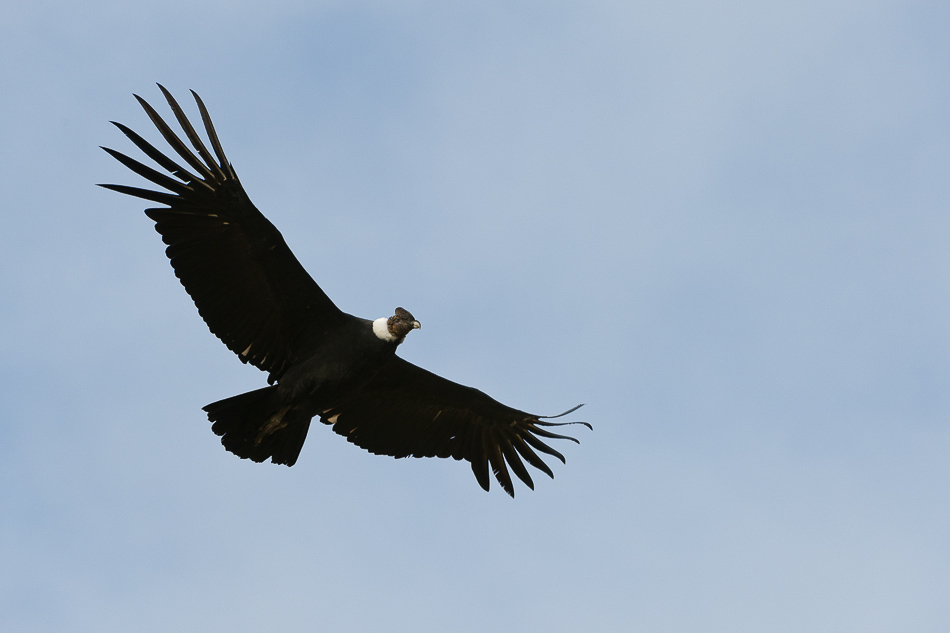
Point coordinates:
[[257, 298]]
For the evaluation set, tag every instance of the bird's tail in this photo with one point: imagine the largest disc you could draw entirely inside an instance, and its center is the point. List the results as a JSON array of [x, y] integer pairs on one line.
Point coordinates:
[[257, 426]]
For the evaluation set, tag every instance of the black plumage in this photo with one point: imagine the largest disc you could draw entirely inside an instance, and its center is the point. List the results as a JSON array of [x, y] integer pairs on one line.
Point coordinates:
[[257, 298]]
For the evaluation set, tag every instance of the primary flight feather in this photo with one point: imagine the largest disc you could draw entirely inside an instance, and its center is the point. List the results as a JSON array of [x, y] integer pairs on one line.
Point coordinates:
[[321, 362]]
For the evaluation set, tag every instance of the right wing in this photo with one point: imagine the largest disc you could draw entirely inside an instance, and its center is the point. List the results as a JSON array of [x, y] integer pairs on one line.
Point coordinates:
[[407, 411]]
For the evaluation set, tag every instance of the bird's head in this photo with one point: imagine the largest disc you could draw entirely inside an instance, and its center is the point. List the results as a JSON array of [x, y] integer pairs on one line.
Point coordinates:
[[395, 328]]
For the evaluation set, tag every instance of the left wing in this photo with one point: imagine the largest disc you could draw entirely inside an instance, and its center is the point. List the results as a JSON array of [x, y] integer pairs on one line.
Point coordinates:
[[407, 411], [246, 283]]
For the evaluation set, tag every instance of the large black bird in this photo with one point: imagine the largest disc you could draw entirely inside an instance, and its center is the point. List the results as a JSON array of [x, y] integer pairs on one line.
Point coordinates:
[[257, 298]]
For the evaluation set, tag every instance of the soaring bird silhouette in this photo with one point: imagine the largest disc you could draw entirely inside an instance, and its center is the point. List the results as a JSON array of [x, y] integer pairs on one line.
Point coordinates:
[[256, 297]]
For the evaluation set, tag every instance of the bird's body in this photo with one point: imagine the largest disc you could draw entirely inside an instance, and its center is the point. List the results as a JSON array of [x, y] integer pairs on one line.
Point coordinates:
[[321, 362]]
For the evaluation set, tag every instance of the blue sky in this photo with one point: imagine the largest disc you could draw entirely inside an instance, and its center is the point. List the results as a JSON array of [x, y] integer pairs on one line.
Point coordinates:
[[722, 226]]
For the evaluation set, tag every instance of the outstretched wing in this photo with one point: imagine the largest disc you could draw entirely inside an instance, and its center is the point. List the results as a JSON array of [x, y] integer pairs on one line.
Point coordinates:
[[248, 286], [407, 411]]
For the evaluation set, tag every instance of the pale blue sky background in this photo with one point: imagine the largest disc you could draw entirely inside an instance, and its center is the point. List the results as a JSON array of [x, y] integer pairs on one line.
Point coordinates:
[[724, 226]]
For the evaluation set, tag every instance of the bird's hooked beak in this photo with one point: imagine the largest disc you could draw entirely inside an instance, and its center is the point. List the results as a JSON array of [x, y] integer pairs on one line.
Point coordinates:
[[416, 325]]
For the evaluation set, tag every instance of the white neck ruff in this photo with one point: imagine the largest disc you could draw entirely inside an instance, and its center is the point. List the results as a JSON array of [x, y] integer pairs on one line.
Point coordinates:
[[381, 330]]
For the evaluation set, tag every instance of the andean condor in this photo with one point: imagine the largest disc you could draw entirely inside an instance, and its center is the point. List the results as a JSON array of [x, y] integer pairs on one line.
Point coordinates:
[[257, 298]]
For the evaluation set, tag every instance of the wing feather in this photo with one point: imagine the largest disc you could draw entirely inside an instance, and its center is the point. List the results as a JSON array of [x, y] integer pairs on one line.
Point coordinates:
[[525, 451], [215, 169], [213, 136], [511, 456], [160, 179], [163, 161], [176, 143], [541, 446], [246, 283], [492, 446]]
